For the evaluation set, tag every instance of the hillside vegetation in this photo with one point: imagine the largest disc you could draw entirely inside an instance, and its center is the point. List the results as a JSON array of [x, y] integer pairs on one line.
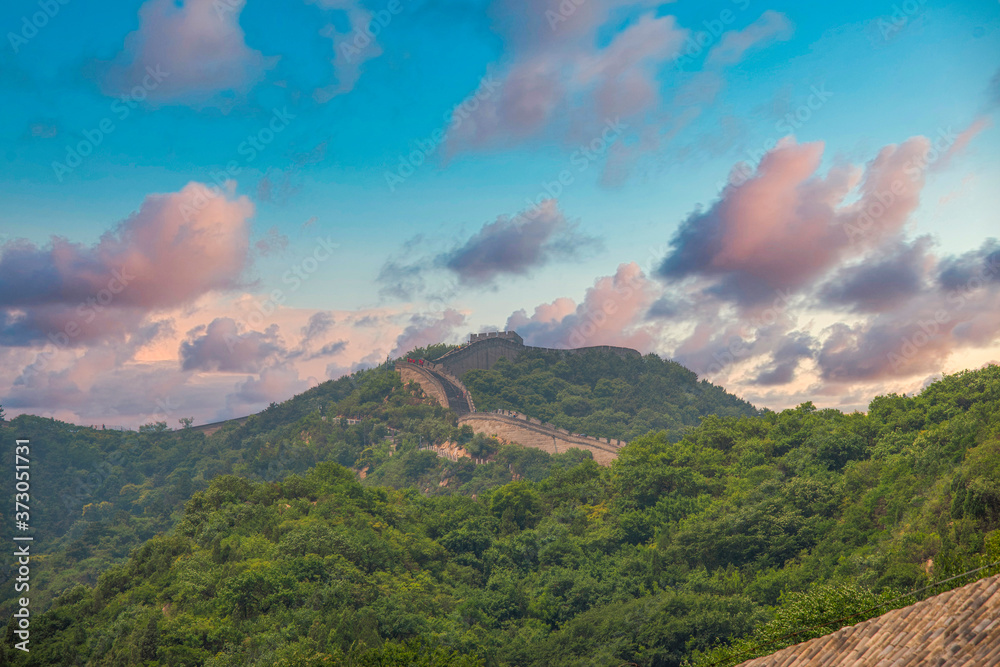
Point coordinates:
[[99, 494], [743, 530], [602, 394]]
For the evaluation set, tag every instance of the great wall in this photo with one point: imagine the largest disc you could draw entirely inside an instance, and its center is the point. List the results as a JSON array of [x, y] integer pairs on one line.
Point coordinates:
[[440, 381]]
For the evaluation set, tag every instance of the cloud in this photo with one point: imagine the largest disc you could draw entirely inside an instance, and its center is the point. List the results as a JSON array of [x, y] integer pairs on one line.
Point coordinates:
[[280, 185], [785, 360], [174, 249], [749, 285], [993, 91], [960, 310], [772, 26], [786, 225], [328, 350], [980, 265], [274, 384], [558, 79], [44, 130], [427, 329], [199, 49], [318, 324], [623, 74], [787, 241], [882, 281], [959, 142], [272, 243], [515, 246], [612, 313], [222, 347], [666, 306], [403, 275], [352, 48]]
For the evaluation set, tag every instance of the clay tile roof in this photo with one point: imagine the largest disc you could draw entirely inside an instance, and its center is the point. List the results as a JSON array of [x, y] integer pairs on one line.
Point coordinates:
[[960, 627]]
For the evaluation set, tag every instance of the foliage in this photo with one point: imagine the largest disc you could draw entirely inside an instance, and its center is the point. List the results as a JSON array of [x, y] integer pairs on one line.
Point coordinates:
[[602, 394], [713, 545]]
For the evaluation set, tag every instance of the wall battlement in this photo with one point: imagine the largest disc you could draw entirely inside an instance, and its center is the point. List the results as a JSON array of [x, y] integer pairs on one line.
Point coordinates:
[[509, 335], [440, 380]]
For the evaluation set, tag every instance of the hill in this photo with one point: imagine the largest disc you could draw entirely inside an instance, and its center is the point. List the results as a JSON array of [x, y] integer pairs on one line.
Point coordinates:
[[102, 493], [743, 530], [602, 394]]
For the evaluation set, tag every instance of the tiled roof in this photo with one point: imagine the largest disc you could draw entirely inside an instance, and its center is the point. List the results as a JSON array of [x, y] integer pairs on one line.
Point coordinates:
[[960, 627]]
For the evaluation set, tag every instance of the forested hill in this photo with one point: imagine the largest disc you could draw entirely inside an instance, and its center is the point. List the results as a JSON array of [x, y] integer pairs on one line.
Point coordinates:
[[603, 394], [710, 549], [101, 493]]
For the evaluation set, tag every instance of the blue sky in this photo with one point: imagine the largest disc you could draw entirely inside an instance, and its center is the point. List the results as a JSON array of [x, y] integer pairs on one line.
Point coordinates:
[[312, 118]]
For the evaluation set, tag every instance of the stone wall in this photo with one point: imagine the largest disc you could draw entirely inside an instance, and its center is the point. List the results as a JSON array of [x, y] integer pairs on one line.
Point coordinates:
[[481, 355], [535, 434], [443, 372], [412, 372]]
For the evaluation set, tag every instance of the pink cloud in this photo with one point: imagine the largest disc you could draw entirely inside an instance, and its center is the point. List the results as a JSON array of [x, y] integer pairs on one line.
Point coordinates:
[[196, 48], [428, 329], [223, 346], [623, 73], [273, 384], [559, 80], [770, 27], [612, 313], [786, 225], [961, 141], [351, 48], [174, 249]]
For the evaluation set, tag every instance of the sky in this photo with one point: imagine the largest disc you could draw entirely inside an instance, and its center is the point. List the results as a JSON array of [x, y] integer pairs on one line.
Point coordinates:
[[210, 205]]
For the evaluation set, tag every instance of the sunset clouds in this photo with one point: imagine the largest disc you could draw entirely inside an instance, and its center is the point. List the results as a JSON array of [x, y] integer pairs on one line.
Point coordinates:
[[559, 82], [261, 198], [507, 247], [746, 283], [174, 249]]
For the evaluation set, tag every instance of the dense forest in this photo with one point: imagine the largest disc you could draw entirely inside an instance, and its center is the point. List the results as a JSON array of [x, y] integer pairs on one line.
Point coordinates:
[[299, 538]]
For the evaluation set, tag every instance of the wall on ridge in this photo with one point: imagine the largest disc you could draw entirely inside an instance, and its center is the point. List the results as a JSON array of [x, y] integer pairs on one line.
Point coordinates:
[[537, 435], [522, 430], [481, 355]]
